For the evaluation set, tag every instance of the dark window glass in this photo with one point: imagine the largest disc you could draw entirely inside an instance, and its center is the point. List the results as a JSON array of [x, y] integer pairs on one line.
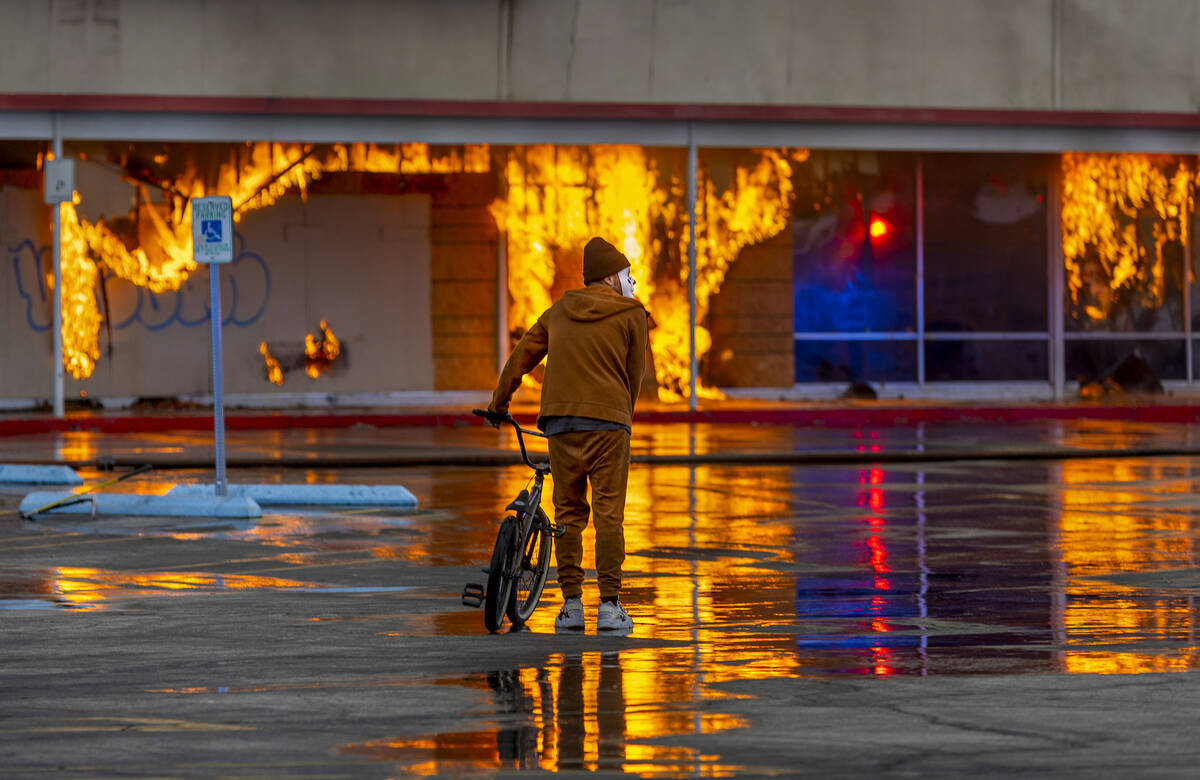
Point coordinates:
[[985, 242], [853, 243], [861, 361], [1093, 361], [986, 360]]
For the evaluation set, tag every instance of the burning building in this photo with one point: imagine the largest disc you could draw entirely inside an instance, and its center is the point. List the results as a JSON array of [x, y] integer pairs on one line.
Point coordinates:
[[920, 224], [814, 268]]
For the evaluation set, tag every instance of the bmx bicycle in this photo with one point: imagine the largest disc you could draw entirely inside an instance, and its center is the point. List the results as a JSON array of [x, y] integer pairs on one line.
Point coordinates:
[[521, 556]]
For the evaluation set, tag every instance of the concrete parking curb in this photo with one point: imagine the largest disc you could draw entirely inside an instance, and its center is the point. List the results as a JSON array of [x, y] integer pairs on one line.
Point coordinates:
[[136, 504], [312, 495], [49, 474]]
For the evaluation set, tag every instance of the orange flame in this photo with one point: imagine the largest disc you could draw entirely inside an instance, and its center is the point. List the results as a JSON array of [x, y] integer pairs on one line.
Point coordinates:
[[274, 372], [558, 197], [80, 316], [319, 355], [1106, 199], [165, 262]]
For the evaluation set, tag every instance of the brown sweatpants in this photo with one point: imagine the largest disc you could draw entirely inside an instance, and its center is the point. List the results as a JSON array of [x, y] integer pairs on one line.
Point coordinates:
[[602, 458]]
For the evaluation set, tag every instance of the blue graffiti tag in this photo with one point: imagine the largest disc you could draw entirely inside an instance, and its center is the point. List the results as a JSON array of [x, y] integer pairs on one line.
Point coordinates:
[[246, 288], [27, 264]]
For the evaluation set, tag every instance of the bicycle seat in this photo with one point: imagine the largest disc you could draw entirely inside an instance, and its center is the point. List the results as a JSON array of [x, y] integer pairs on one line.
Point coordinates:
[[518, 504]]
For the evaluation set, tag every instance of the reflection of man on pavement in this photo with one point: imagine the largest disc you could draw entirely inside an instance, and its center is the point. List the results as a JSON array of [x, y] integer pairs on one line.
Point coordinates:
[[573, 715], [594, 341], [582, 709]]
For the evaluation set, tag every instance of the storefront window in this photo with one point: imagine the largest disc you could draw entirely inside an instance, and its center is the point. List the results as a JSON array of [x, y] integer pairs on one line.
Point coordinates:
[[1095, 360], [854, 252], [988, 361], [861, 361], [985, 244]]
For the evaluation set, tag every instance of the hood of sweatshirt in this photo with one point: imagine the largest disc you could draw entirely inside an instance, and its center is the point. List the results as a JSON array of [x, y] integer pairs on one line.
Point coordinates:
[[592, 303]]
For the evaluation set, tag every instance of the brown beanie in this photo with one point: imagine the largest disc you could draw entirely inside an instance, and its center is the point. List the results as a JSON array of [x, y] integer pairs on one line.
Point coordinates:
[[601, 259]]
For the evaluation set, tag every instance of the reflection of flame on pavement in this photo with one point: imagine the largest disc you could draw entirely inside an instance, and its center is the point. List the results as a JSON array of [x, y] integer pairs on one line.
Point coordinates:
[[88, 588], [1104, 530], [559, 196], [591, 711], [319, 355], [162, 261]]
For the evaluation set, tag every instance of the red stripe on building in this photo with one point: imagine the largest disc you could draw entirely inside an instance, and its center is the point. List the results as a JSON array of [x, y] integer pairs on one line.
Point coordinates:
[[840, 417], [502, 109]]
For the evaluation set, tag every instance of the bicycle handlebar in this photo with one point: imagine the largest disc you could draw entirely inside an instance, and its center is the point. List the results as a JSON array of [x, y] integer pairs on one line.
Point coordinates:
[[498, 419]]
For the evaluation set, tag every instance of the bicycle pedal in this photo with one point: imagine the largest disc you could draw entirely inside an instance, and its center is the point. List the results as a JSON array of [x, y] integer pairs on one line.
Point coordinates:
[[556, 530], [472, 595]]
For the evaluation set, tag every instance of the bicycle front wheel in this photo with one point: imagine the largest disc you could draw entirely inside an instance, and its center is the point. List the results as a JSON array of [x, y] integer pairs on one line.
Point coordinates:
[[532, 571], [499, 587]]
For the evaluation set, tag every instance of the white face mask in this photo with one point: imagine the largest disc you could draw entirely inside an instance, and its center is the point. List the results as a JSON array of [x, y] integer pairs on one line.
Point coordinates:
[[627, 282]]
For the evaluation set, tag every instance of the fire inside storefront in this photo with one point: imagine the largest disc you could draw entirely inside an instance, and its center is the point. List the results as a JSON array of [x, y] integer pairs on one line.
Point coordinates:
[[370, 270]]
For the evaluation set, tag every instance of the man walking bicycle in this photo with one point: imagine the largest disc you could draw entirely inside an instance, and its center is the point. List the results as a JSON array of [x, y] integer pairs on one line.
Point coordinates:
[[594, 342]]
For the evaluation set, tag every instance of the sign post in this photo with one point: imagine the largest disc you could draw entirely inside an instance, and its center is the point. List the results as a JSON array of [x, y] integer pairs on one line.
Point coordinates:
[[60, 188], [212, 243]]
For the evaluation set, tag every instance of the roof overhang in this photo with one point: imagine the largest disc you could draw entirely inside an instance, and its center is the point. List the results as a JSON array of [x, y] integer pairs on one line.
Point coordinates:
[[314, 120]]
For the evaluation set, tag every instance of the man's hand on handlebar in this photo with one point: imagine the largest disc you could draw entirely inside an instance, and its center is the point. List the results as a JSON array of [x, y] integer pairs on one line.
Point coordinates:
[[494, 419]]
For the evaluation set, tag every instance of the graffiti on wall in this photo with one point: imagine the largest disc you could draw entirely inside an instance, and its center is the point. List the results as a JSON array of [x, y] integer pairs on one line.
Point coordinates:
[[245, 290]]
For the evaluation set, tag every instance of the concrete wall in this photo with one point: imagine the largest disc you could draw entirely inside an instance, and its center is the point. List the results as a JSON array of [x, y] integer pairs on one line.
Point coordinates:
[[751, 321], [464, 278], [360, 262], [27, 345], [1029, 54]]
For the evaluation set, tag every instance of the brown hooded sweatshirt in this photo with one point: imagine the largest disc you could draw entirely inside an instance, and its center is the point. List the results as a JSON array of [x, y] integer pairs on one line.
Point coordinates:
[[596, 342]]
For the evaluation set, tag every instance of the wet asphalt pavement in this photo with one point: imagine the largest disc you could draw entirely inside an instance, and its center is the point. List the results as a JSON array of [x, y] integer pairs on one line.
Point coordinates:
[[894, 601]]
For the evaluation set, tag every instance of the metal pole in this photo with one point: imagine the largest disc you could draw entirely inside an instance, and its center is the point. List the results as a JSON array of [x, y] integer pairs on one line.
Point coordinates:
[[214, 286], [56, 261], [1057, 271], [691, 207], [920, 273], [1187, 293], [502, 345]]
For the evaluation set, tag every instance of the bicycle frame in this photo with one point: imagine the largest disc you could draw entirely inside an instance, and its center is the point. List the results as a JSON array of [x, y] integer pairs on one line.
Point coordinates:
[[529, 522], [533, 501]]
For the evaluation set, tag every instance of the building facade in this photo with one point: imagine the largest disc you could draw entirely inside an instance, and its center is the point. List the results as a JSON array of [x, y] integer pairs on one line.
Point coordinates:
[[934, 197]]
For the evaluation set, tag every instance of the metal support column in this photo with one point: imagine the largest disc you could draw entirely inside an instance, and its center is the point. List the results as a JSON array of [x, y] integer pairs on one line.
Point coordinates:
[[692, 176], [1187, 295], [56, 261], [1057, 283], [502, 345], [920, 272]]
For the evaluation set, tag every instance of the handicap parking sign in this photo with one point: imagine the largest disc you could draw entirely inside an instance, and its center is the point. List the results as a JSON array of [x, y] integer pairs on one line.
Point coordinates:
[[212, 229]]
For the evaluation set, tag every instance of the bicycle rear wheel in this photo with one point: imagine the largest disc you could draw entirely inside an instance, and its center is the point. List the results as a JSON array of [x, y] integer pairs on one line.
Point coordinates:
[[499, 587], [532, 571]]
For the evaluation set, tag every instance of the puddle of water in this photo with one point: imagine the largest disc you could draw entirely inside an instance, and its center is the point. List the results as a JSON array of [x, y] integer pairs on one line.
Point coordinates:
[[920, 569], [591, 711], [68, 587], [737, 574], [24, 604], [323, 684]]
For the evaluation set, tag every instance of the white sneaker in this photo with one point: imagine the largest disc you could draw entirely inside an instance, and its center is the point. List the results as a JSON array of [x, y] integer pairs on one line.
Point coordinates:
[[571, 615], [613, 617]]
